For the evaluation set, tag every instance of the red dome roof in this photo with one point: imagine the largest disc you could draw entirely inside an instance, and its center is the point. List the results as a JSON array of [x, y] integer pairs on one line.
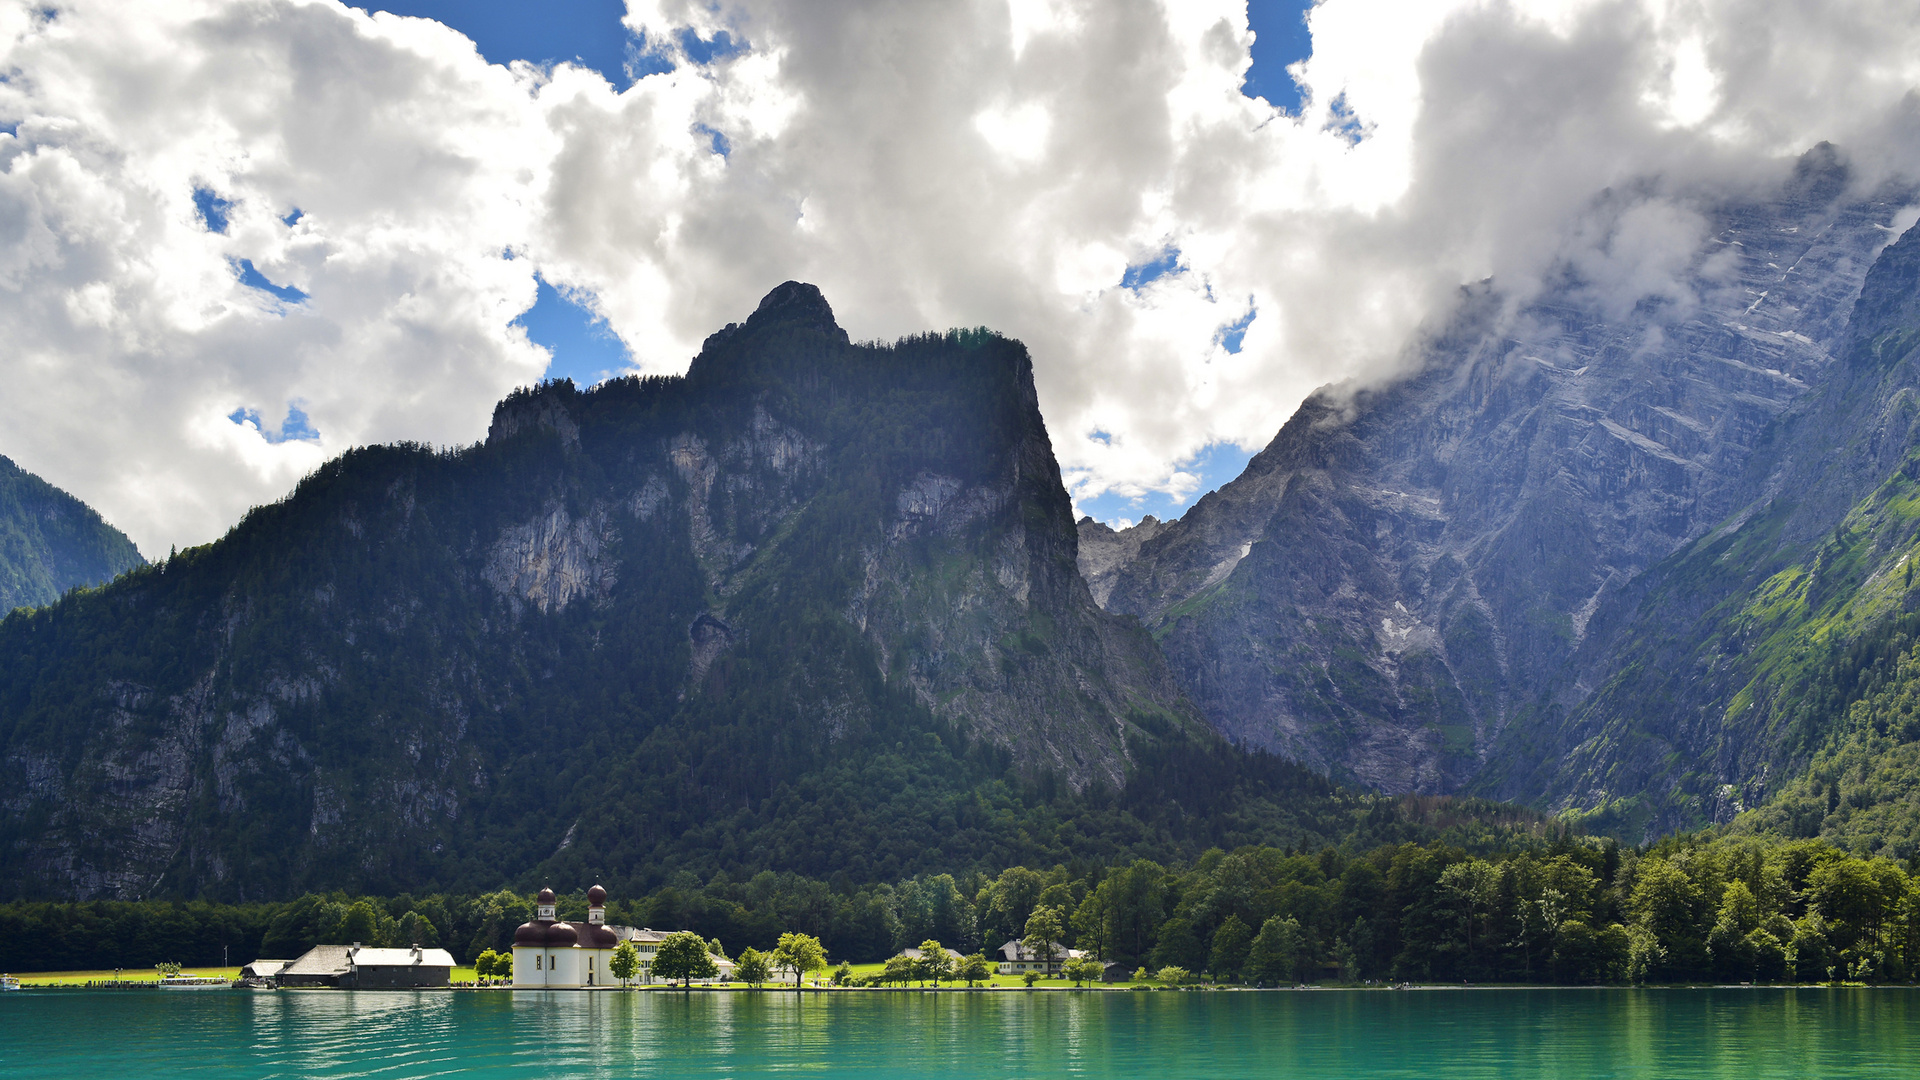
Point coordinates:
[[534, 934], [596, 897], [546, 896], [597, 937], [561, 935]]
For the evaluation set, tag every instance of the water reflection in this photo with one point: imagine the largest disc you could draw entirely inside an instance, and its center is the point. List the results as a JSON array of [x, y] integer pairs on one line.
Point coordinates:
[[1690, 1034]]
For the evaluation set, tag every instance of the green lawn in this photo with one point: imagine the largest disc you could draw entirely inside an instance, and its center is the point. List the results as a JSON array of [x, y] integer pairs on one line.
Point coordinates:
[[467, 975], [863, 971], [81, 978]]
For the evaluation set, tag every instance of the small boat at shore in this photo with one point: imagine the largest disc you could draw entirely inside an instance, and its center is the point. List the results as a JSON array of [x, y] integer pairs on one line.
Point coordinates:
[[8, 982], [194, 982]]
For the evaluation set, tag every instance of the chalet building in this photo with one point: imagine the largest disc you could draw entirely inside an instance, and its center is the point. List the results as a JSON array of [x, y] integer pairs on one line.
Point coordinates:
[[353, 967], [647, 943], [550, 953], [1016, 959]]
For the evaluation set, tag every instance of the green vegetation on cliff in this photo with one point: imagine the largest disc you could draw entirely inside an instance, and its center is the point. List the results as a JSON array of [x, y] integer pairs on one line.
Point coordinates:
[[1759, 676], [812, 608], [51, 542]]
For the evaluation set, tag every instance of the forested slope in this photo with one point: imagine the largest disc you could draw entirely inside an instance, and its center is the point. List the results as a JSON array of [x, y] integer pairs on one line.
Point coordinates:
[[812, 607], [51, 542]]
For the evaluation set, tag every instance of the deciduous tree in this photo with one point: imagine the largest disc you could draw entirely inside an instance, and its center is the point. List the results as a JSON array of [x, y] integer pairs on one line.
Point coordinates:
[[1230, 946], [1082, 969], [1043, 934], [752, 968], [625, 962], [935, 963], [684, 956], [975, 969], [1276, 952], [800, 952]]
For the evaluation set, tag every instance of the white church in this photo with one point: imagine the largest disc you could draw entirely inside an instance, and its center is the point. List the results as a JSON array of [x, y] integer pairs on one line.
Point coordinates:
[[550, 953], [547, 953]]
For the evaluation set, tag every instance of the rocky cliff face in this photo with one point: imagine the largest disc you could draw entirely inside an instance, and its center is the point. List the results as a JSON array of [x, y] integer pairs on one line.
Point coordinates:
[[630, 618], [1397, 588], [1730, 667]]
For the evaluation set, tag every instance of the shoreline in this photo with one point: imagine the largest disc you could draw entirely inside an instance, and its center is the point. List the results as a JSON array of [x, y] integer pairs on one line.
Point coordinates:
[[656, 988]]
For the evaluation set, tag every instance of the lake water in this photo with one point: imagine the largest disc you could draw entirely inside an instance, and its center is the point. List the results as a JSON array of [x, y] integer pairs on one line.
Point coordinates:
[[1694, 1034]]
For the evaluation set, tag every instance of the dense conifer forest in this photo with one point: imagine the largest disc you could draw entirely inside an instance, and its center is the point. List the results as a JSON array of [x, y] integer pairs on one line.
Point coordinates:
[[51, 542], [1546, 907]]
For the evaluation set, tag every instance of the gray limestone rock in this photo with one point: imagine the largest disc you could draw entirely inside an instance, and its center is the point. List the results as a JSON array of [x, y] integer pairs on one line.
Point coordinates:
[[1400, 582]]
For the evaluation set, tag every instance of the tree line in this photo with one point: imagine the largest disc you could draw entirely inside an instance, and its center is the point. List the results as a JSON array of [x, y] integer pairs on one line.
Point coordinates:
[[1567, 910]]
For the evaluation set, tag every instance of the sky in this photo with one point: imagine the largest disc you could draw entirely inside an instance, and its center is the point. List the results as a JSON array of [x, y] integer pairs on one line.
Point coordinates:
[[590, 33], [238, 237]]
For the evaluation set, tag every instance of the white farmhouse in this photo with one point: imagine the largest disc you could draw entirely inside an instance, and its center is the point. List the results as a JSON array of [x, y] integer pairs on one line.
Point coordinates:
[[1017, 959]]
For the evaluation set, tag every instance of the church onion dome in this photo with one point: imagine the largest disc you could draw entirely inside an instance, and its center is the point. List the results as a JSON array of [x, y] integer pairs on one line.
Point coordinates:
[[532, 934], [561, 935], [546, 896], [597, 937], [596, 897]]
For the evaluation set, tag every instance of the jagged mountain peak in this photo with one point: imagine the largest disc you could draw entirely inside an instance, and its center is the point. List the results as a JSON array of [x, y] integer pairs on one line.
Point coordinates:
[[756, 591], [1820, 175], [1891, 295], [796, 301], [541, 406], [740, 349], [1395, 589]]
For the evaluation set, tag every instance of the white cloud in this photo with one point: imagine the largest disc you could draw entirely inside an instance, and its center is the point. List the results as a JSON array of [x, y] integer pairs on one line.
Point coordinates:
[[929, 165], [130, 339], [1019, 134]]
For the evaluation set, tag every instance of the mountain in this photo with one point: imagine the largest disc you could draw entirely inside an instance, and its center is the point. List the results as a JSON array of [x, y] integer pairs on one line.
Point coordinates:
[[814, 606], [51, 542], [1766, 672], [1426, 586]]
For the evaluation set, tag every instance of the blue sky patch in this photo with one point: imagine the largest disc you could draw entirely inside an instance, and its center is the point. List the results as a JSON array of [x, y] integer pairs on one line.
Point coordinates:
[[294, 218], [1215, 465], [1280, 38], [1344, 122], [1231, 335], [255, 279], [705, 51], [587, 32], [716, 139], [213, 209], [583, 347], [1140, 275], [295, 428]]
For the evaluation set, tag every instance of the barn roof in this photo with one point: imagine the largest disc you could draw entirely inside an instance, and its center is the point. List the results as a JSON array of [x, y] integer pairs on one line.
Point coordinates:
[[334, 959]]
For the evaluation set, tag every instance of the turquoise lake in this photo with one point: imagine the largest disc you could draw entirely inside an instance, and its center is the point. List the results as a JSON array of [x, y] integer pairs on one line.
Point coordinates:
[[1695, 1034]]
